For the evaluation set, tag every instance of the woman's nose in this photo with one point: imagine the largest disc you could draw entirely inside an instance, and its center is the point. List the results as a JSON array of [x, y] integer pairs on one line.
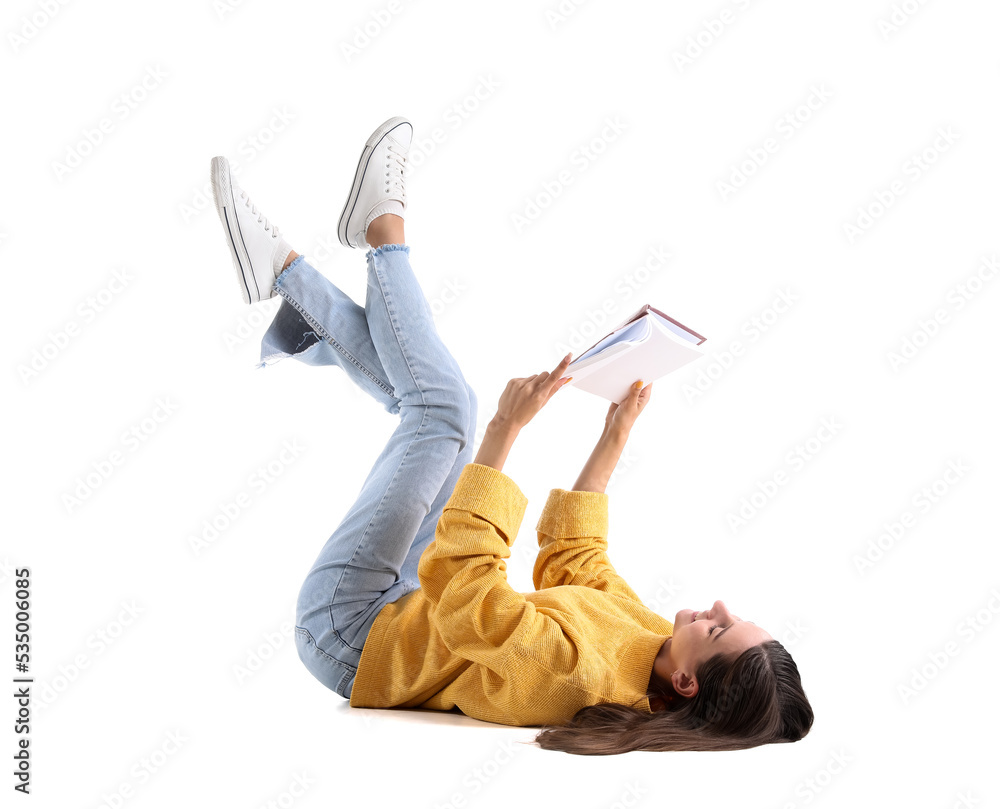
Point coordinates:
[[724, 613]]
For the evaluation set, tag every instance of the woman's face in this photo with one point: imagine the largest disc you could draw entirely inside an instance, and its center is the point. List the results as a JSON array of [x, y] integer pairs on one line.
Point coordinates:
[[699, 635]]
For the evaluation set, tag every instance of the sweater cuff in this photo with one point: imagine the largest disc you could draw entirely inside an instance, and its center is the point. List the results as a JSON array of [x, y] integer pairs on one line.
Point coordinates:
[[574, 514], [490, 494]]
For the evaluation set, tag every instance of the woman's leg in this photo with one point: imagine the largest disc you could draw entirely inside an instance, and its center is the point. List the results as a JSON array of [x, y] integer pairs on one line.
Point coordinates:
[[357, 574], [370, 559], [428, 527], [307, 297], [292, 335]]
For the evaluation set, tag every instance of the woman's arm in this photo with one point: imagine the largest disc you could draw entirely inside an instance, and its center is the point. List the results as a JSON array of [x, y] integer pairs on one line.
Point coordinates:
[[573, 544], [602, 462], [573, 527], [617, 426], [497, 441]]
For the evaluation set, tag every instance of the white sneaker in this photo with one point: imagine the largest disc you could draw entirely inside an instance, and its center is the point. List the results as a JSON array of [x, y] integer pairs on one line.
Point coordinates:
[[257, 248], [378, 182]]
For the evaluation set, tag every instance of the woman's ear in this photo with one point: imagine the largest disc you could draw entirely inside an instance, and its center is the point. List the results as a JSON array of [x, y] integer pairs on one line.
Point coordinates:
[[684, 684]]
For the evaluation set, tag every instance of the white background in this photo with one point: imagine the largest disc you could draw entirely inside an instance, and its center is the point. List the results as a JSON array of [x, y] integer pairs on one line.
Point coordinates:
[[509, 301]]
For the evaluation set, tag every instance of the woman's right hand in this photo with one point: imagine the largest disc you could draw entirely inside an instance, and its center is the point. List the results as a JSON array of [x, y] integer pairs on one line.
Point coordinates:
[[524, 397], [622, 416]]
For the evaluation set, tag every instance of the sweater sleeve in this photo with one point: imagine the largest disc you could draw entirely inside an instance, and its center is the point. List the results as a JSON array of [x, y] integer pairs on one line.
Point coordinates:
[[463, 571], [573, 544]]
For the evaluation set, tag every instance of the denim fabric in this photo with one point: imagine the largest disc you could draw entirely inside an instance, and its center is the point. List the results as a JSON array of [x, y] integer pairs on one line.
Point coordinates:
[[392, 350]]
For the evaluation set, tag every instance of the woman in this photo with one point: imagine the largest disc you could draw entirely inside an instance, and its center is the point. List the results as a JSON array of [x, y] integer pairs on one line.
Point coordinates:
[[408, 605]]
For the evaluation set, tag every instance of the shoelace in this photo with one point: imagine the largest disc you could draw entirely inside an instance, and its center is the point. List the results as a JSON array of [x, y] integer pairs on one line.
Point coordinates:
[[260, 217], [395, 164]]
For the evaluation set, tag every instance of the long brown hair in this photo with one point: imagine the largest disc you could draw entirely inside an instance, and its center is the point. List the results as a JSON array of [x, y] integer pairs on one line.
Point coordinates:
[[743, 700]]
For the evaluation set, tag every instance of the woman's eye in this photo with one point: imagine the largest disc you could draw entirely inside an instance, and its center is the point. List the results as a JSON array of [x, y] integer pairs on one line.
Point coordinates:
[[710, 631]]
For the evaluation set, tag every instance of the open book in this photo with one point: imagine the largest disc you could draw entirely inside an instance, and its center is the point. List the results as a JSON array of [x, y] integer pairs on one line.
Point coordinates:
[[646, 346]]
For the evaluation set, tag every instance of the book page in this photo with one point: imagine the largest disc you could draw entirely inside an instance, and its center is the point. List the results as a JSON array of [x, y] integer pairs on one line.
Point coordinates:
[[692, 338], [634, 331]]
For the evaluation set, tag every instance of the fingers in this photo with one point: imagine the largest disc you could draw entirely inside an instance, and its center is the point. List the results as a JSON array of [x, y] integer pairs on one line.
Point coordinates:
[[563, 365], [556, 372], [638, 395], [633, 392], [641, 397], [552, 381], [559, 370]]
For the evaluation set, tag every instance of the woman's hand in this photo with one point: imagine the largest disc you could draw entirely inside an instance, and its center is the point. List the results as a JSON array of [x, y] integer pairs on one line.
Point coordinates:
[[622, 416], [524, 397], [520, 401]]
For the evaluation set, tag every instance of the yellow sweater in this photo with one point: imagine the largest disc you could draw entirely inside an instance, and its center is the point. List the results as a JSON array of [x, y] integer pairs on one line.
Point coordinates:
[[467, 639]]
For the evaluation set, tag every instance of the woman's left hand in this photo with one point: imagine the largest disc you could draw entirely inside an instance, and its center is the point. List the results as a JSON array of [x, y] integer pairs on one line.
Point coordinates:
[[524, 397], [622, 416]]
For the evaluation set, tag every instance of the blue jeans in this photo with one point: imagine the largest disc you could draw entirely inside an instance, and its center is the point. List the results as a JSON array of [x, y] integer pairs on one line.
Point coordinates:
[[392, 350]]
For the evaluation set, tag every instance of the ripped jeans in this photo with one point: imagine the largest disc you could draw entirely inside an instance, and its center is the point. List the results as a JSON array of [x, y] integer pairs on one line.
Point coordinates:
[[392, 350]]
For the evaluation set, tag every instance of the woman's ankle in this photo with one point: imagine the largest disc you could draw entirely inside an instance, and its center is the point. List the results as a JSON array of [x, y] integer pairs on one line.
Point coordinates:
[[385, 229]]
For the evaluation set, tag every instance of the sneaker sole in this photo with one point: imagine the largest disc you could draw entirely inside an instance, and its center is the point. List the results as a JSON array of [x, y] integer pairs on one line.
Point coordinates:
[[366, 153], [222, 191]]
